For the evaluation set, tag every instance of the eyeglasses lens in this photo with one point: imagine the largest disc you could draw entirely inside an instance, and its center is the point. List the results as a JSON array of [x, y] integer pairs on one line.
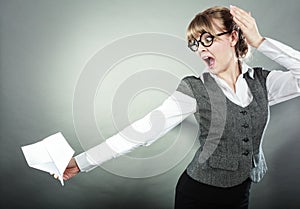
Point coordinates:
[[193, 45], [206, 39]]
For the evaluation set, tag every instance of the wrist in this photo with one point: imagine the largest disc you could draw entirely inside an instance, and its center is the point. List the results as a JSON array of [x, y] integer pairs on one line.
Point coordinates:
[[258, 43], [76, 166]]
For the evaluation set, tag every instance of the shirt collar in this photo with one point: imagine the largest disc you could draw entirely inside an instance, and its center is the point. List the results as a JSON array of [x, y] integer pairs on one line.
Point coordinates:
[[246, 68]]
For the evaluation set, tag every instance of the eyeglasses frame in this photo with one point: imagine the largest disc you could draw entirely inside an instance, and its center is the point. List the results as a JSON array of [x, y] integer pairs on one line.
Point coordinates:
[[213, 37]]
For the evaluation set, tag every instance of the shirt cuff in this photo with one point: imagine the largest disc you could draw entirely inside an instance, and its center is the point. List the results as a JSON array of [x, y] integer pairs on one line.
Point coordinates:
[[84, 163], [266, 46], [95, 156], [275, 49]]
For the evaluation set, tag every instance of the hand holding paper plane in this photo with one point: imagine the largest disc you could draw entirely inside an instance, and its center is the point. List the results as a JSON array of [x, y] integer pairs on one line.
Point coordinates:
[[52, 155]]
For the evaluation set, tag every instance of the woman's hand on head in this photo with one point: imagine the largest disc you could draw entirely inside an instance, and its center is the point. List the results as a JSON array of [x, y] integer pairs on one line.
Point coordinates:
[[248, 25]]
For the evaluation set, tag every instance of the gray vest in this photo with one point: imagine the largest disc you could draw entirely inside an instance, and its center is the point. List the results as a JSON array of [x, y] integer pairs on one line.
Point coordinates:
[[230, 136]]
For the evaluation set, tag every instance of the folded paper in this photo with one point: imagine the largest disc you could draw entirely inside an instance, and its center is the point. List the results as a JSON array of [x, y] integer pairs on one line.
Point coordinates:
[[51, 154]]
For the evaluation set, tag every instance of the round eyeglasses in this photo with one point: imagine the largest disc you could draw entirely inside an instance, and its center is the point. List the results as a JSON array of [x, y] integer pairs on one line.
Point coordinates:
[[206, 40]]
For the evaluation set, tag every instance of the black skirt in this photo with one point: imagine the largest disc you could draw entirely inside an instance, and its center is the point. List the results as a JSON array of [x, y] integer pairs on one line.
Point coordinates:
[[191, 194]]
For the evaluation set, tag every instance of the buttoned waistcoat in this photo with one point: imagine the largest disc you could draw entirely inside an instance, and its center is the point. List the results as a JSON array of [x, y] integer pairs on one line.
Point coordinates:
[[230, 136]]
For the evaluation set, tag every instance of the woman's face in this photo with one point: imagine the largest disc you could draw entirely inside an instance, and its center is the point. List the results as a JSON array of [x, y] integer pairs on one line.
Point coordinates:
[[220, 56]]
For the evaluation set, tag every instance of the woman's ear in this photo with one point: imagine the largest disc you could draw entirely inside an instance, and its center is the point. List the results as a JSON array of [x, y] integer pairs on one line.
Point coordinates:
[[234, 37]]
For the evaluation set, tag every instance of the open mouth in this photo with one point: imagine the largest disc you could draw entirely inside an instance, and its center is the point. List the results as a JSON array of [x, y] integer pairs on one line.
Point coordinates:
[[209, 61]]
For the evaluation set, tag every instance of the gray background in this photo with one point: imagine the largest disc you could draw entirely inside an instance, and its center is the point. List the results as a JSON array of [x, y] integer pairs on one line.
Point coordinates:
[[44, 45]]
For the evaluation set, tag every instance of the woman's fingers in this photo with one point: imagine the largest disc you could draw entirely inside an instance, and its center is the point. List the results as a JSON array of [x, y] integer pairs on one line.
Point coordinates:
[[243, 18], [239, 11], [66, 176], [247, 24], [239, 23], [54, 176]]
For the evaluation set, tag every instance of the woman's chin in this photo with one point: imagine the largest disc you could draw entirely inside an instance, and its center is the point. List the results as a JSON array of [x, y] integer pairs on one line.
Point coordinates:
[[213, 70]]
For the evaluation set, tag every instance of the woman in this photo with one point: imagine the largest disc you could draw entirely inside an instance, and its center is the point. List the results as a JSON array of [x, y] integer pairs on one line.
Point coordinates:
[[231, 104]]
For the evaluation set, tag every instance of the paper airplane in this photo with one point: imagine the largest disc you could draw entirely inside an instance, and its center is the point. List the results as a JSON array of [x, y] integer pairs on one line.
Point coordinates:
[[51, 154]]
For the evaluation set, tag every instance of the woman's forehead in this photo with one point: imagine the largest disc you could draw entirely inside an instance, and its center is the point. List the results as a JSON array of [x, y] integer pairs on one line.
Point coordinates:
[[217, 25], [213, 28]]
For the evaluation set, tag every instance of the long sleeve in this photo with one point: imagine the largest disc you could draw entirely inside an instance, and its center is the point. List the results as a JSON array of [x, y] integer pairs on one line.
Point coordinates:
[[142, 132], [282, 85]]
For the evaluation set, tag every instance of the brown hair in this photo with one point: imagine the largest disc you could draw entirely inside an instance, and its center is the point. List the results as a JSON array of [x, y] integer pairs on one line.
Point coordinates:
[[204, 22]]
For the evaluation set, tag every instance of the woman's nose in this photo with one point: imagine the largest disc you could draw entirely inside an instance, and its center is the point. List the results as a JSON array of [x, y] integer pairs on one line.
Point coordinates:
[[201, 48]]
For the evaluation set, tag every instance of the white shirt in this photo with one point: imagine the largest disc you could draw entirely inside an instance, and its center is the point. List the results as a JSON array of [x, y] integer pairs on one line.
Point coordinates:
[[281, 86]]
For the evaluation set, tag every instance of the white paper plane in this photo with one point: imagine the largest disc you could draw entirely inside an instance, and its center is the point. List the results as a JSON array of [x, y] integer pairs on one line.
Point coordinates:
[[51, 154]]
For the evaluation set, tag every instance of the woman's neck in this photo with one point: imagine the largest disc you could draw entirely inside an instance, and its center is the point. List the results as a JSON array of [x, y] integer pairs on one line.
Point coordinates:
[[231, 74]]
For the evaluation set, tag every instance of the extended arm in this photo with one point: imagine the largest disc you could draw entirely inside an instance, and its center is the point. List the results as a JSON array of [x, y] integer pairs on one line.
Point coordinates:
[[142, 132]]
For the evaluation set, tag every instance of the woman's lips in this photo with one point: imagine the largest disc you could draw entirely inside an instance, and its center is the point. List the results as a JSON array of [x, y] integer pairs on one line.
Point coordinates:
[[209, 61]]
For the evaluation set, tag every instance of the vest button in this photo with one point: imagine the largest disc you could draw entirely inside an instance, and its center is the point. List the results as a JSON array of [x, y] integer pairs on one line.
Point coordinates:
[[244, 112], [245, 139], [246, 153], [245, 125]]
